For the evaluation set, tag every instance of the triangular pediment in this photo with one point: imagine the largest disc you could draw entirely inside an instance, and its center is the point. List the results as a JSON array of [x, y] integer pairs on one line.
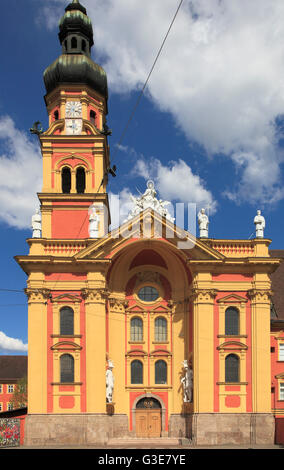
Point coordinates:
[[148, 226], [66, 298], [232, 298]]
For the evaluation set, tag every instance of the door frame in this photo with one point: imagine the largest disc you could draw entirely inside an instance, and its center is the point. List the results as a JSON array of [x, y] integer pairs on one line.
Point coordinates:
[[164, 433]]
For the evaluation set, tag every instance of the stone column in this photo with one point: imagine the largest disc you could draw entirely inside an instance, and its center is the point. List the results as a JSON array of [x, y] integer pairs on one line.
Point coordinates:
[[37, 349], [203, 349], [95, 312], [261, 373]]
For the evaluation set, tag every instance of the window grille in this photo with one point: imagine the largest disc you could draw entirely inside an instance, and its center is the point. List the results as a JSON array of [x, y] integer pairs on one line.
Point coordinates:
[[161, 329], [136, 329], [232, 321]]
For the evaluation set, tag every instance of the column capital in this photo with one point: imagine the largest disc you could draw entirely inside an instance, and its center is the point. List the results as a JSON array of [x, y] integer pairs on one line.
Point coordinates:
[[97, 295], [202, 295], [260, 295], [118, 305], [38, 295]]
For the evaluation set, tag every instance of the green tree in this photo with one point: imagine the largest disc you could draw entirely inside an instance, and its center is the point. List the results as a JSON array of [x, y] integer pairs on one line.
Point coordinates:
[[20, 395]]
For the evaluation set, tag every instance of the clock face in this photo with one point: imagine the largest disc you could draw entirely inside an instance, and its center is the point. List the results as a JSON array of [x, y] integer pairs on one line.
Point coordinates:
[[74, 126], [73, 109]]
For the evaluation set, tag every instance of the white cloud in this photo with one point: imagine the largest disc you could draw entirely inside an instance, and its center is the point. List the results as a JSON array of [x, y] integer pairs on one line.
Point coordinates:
[[176, 182], [11, 344], [220, 75], [20, 175]]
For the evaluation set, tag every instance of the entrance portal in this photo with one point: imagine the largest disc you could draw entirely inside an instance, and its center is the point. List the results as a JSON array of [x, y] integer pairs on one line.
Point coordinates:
[[148, 418]]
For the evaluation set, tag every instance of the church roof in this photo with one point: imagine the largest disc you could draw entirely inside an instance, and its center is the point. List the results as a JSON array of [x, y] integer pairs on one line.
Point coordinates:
[[277, 279]]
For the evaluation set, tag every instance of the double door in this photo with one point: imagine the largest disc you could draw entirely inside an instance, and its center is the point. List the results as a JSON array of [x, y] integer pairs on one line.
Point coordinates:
[[148, 423]]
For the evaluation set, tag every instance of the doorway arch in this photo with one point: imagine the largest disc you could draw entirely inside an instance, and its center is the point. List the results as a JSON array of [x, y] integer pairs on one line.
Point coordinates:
[[148, 416]]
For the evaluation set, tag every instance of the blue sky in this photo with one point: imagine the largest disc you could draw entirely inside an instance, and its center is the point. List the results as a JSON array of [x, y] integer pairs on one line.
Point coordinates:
[[208, 130]]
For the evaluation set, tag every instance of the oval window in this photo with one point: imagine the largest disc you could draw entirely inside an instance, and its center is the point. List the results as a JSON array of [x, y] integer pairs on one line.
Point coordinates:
[[148, 294]]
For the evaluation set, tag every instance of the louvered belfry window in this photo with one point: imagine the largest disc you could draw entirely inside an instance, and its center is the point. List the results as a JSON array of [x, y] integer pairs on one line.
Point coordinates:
[[232, 320], [66, 321], [232, 368], [66, 368], [136, 372]]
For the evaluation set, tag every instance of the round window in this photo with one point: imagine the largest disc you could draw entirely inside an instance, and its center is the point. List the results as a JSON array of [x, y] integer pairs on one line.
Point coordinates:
[[148, 294]]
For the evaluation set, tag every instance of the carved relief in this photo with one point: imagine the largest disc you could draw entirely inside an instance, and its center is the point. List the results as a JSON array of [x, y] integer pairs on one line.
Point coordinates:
[[260, 295], [148, 276], [118, 305], [37, 295], [95, 295], [203, 295]]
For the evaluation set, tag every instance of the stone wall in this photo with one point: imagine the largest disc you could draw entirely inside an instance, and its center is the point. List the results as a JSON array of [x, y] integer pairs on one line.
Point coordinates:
[[85, 429]]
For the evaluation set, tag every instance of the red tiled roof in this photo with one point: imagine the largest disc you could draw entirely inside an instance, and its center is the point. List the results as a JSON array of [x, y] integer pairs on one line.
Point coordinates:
[[277, 279], [13, 367]]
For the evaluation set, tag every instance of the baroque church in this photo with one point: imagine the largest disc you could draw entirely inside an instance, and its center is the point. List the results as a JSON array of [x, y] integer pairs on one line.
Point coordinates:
[[145, 331]]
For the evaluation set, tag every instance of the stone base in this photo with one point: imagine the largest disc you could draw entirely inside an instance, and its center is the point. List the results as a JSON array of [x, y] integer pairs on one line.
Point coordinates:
[[234, 429], [180, 425], [84, 429]]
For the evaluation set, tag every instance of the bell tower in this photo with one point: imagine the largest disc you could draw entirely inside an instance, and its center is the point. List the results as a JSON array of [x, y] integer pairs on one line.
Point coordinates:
[[74, 148]]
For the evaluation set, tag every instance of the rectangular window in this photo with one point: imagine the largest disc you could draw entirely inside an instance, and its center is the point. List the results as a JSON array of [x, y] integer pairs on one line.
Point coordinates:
[[281, 351], [1, 389], [9, 407], [1, 407], [281, 391], [10, 388]]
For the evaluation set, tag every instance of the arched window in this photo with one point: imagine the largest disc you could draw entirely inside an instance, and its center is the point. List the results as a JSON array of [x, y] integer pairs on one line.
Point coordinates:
[[66, 180], [80, 180], [66, 321], [84, 45], [232, 368], [56, 115], [136, 372], [161, 333], [136, 329], [148, 294], [93, 117], [232, 321], [74, 43], [65, 44], [161, 372], [66, 368]]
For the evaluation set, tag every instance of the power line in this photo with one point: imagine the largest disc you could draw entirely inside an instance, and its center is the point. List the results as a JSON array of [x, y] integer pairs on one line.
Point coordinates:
[[148, 78]]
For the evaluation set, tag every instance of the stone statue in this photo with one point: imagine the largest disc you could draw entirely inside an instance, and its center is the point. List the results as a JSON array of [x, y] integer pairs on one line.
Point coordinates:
[[94, 222], [36, 224], [187, 382], [203, 223], [149, 200], [259, 222], [109, 382]]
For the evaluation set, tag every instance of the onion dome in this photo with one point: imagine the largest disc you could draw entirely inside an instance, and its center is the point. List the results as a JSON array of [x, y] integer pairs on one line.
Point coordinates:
[[74, 65]]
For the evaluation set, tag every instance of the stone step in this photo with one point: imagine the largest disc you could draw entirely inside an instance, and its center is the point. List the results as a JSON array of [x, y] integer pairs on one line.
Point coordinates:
[[160, 441]]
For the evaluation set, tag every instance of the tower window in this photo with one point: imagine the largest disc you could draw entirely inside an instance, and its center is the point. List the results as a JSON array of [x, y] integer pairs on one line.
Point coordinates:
[[66, 180], [84, 45], [232, 321], [232, 368], [74, 43], [66, 321], [80, 180], [66, 368], [56, 115], [93, 117], [65, 44], [136, 372]]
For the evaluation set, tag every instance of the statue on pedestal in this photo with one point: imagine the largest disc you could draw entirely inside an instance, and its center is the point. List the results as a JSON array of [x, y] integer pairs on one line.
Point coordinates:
[[94, 221], [149, 200], [259, 222], [36, 224], [187, 382], [109, 382], [203, 223]]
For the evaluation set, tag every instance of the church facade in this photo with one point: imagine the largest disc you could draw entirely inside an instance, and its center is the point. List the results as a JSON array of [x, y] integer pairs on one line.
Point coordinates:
[[147, 330]]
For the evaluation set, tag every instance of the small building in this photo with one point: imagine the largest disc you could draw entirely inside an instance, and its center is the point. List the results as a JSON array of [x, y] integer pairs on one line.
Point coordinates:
[[12, 369]]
